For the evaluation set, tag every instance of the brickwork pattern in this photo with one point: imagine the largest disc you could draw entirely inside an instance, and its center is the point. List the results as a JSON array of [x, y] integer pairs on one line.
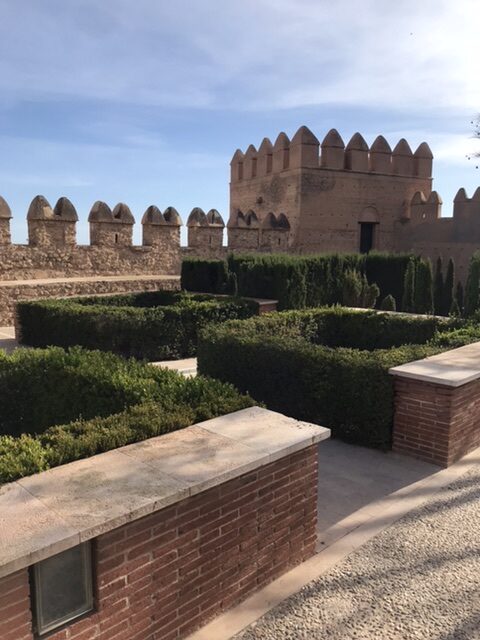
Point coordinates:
[[436, 423], [161, 577]]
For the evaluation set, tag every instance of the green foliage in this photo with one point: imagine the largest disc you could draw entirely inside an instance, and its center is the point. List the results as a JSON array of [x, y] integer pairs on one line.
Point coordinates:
[[459, 297], [148, 402], [438, 288], [408, 300], [388, 304], [21, 457], [307, 281], [329, 366], [448, 289], [423, 295], [205, 276], [356, 292], [157, 325], [472, 287]]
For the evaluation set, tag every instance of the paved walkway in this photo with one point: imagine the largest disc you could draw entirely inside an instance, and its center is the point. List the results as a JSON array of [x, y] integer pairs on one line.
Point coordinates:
[[369, 555], [418, 579]]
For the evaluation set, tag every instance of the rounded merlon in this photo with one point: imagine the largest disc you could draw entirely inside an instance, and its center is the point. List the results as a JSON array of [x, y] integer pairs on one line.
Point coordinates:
[[40, 209], [122, 213], [153, 215], [172, 217], [238, 156], [333, 139], [304, 136], [357, 143], [197, 218], [380, 145], [423, 151], [282, 142], [461, 195], [266, 147], [65, 210], [214, 218], [5, 211], [402, 148], [100, 212]]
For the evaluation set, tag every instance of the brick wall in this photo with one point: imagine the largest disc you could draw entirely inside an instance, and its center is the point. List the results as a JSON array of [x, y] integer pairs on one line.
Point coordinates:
[[161, 577], [436, 423]]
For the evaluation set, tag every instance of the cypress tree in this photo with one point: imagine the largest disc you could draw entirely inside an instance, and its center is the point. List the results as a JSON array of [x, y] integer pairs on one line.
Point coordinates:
[[459, 296], [472, 286], [424, 287], [438, 287], [448, 292], [408, 300]]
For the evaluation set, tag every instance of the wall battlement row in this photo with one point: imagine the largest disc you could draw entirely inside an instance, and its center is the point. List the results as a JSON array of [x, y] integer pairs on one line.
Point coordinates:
[[303, 151], [427, 209], [56, 226], [248, 231]]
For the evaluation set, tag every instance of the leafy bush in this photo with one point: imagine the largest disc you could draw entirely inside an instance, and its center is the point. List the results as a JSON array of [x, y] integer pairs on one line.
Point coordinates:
[[156, 325], [207, 276], [388, 304], [329, 366], [130, 402], [301, 281]]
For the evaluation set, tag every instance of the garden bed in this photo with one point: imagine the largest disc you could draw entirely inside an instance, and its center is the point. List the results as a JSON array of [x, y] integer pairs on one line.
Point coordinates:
[[158, 325], [327, 366], [57, 406]]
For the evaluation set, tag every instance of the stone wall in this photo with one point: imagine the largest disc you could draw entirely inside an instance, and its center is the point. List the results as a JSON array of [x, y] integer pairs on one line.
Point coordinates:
[[14, 291], [166, 574]]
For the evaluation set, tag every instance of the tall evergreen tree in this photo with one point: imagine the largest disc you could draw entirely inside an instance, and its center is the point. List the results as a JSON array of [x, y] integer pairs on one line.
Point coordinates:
[[459, 296], [423, 296], [438, 287], [448, 291], [473, 285], [408, 300]]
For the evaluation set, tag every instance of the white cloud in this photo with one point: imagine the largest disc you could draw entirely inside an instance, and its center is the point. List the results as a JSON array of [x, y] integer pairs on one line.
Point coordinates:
[[258, 54]]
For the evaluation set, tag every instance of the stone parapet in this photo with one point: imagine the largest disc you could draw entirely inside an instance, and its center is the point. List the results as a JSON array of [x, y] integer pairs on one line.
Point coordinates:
[[185, 525]]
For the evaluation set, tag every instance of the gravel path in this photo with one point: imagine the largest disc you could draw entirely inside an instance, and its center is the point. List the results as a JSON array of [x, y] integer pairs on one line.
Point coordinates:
[[419, 579]]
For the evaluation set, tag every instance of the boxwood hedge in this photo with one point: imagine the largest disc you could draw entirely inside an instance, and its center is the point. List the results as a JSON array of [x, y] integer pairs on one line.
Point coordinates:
[[57, 406], [328, 366], [158, 325]]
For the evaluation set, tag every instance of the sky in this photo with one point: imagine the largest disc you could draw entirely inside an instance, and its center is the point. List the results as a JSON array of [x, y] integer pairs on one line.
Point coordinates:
[[145, 102]]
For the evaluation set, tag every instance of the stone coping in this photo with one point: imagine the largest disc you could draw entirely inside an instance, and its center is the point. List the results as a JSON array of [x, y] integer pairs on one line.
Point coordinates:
[[44, 514], [451, 369], [61, 280]]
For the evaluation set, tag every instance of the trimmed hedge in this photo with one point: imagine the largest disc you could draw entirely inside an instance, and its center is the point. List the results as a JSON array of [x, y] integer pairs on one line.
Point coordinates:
[[297, 281], [158, 325], [123, 402], [327, 366]]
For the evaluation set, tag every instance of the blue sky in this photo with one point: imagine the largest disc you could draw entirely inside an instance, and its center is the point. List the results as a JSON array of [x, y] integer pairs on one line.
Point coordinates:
[[145, 102]]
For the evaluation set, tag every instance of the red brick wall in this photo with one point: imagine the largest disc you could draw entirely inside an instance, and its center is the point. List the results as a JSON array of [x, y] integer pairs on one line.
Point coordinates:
[[15, 615], [161, 577], [436, 423]]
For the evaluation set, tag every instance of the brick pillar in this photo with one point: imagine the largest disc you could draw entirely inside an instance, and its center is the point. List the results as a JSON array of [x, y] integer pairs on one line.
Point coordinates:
[[437, 423]]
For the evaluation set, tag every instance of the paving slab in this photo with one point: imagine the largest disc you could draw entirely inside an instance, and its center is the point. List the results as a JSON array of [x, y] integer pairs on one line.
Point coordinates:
[[267, 431], [196, 457], [452, 368]]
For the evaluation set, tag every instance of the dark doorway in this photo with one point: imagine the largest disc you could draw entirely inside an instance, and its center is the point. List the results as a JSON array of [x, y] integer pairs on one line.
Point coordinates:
[[367, 231]]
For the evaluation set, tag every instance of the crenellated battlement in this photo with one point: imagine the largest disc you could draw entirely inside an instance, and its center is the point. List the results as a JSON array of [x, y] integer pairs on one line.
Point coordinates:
[[52, 249], [304, 151]]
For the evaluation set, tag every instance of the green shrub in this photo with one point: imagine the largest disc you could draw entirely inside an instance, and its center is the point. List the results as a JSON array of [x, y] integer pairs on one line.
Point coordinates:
[[304, 281], [157, 325], [388, 304], [21, 457], [449, 289], [348, 390], [438, 288], [139, 402], [206, 276]]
